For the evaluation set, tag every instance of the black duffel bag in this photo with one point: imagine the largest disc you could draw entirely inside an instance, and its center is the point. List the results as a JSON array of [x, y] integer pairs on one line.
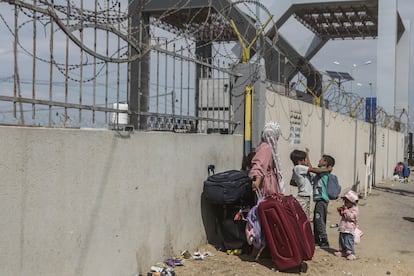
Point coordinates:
[[228, 187]]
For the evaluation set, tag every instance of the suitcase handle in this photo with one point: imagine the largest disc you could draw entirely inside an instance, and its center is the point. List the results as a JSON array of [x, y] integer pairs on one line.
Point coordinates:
[[277, 196], [210, 169], [258, 193]]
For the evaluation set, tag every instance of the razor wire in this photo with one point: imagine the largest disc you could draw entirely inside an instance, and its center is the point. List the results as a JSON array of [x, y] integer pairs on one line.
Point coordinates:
[[73, 21]]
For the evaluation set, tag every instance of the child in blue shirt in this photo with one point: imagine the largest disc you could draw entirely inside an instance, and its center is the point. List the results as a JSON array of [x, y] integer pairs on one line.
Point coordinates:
[[321, 199], [301, 176]]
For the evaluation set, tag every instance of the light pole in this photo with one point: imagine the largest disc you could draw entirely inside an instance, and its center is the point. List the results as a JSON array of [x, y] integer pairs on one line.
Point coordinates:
[[371, 113], [351, 69]]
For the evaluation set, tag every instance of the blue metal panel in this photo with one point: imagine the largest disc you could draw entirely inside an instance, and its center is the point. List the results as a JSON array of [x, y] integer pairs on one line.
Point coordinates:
[[370, 109]]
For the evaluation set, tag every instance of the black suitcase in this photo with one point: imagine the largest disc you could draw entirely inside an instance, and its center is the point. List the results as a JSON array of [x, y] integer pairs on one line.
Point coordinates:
[[231, 231], [228, 187], [221, 228]]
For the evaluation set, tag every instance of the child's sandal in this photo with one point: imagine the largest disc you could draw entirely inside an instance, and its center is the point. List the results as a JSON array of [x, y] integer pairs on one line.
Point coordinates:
[[351, 257]]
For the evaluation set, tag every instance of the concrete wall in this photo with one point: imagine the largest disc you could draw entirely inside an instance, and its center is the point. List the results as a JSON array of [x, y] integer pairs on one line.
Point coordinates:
[[390, 149], [90, 202], [326, 132], [94, 202]]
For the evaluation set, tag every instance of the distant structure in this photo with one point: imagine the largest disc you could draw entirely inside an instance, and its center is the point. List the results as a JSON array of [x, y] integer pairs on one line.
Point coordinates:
[[330, 19], [351, 19]]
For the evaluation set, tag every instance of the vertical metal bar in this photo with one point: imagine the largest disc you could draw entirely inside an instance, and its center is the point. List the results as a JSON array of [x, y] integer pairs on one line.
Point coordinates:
[[15, 75], [209, 95], [278, 67], [119, 55], [106, 64], [214, 96], [248, 120], [67, 62], [129, 70], [229, 103], [323, 127], [158, 77], [220, 89], [81, 65], [19, 90], [34, 62], [173, 91], [145, 68], [354, 179], [51, 65], [94, 64], [166, 78], [220, 92], [188, 84], [181, 82], [225, 103], [200, 104], [197, 76], [139, 90], [216, 83]]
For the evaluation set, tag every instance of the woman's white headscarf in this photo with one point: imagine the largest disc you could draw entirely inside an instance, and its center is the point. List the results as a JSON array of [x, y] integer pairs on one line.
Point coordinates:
[[270, 135]]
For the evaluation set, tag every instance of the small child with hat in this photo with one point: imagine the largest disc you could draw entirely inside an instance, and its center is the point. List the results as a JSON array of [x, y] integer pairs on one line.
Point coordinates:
[[349, 220]]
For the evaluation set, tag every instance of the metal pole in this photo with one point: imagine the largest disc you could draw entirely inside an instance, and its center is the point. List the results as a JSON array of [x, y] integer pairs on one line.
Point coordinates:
[[248, 120], [249, 88], [355, 150], [323, 128], [51, 66], [34, 63]]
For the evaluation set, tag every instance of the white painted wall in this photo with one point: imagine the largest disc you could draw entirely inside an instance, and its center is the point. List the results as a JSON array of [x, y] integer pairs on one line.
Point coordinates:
[[89, 202], [342, 137]]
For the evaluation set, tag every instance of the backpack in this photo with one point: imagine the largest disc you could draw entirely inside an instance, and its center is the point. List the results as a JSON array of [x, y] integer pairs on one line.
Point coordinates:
[[228, 187], [253, 231], [333, 188], [406, 171]]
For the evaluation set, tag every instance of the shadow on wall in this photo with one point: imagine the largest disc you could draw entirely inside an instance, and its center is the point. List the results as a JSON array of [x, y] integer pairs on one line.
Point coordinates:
[[209, 221]]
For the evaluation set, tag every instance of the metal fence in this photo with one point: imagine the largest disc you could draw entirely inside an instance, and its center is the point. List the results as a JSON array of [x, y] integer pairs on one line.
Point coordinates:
[[67, 65]]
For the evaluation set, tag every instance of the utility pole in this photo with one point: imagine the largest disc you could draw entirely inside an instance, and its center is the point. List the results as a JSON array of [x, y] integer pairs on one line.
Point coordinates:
[[248, 106]]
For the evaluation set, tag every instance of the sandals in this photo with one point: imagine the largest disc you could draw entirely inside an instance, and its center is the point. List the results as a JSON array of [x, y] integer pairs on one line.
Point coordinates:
[[174, 262], [234, 252], [350, 256]]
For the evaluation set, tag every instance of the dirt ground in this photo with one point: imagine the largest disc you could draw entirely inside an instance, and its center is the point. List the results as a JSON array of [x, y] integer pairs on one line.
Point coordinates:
[[387, 247]]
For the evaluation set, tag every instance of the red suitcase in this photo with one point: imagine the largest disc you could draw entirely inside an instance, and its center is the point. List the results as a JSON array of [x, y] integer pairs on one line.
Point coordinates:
[[287, 230], [302, 227]]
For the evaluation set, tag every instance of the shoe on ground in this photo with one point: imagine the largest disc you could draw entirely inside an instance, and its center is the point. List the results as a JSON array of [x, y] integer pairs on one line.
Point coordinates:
[[324, 245], [234, 252], [303, 267], [351, 257], [339, 254]]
